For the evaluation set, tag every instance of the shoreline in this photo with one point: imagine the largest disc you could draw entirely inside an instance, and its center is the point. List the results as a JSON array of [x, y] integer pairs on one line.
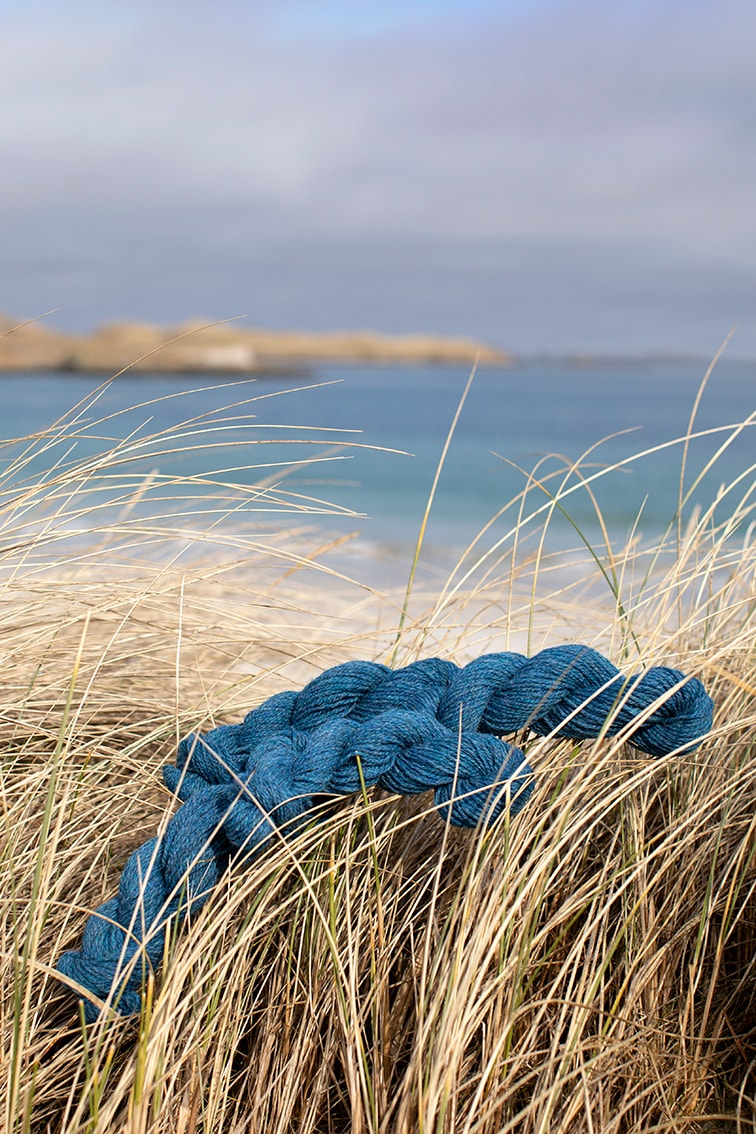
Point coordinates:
[[224, 348]]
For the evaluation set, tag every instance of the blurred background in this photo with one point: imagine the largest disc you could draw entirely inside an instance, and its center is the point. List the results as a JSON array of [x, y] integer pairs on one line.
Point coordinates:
[[546, 175], [569, 180]]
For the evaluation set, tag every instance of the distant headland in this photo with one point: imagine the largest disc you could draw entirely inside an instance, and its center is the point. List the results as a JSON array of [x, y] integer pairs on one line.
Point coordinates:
[[221, 347]]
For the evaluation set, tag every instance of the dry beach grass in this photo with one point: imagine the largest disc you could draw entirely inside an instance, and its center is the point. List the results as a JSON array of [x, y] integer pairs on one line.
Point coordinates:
[[587, 966]]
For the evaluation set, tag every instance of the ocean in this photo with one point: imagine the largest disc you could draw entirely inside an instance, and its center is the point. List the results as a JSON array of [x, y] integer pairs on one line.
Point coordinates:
[[354, 449]]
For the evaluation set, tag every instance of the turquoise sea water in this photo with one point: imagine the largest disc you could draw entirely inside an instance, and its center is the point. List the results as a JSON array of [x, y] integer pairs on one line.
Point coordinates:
[[543, 416]]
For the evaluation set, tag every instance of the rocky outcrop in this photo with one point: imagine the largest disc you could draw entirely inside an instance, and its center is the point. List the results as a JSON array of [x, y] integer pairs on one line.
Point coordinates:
[[30, 346], [220, 348]]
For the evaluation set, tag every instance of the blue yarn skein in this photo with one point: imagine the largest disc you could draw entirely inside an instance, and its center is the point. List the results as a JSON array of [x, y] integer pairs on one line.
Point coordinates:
[[431, 725]]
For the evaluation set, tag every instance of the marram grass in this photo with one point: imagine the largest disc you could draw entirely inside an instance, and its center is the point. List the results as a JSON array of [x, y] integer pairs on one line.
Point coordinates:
[[587, 967]]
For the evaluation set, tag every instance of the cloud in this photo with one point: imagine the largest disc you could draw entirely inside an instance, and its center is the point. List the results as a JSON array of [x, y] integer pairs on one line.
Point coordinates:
[[228, 138]]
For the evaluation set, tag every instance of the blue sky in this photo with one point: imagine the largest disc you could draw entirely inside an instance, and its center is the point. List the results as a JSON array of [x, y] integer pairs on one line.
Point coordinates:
[[558, 174]]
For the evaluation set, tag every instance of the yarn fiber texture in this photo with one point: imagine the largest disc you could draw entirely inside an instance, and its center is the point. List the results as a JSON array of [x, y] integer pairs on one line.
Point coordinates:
[[429, 726]]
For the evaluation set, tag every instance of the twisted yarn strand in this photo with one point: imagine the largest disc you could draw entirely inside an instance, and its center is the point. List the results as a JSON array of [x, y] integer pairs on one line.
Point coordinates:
[[430, 726]]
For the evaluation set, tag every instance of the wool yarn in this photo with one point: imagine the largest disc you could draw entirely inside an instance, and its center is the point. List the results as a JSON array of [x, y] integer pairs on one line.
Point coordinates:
[[429, 726]]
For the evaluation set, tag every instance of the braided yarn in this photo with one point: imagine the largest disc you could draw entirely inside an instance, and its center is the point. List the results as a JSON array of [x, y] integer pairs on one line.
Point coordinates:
[[430, 726]]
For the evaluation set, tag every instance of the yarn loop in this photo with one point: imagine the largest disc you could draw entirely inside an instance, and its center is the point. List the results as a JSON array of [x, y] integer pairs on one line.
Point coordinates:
[[429, 726]]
